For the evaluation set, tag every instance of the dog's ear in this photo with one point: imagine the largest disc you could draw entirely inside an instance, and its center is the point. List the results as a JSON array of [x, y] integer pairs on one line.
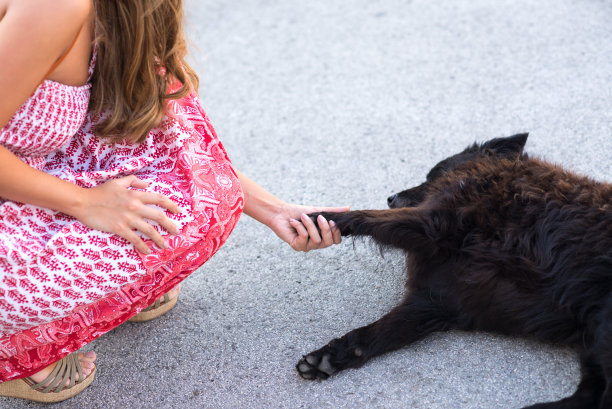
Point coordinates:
[[509, 146]]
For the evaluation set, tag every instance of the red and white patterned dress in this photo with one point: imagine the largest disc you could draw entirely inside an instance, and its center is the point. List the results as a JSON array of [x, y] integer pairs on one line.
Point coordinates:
[[62, 284]]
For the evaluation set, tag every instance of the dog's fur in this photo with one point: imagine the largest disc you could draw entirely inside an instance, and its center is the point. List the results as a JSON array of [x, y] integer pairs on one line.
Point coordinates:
[[495, 241]]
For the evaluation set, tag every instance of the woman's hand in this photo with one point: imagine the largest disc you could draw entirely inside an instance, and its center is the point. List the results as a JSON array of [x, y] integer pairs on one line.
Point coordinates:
[[292, 224], [289, 221], [114, 208]]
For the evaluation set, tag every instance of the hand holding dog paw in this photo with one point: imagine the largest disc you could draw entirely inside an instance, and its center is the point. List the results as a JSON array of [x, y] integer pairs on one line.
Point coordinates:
[[293, 225]]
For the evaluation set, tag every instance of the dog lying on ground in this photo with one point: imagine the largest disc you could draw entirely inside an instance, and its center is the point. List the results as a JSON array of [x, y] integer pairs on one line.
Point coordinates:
[[495, 241]]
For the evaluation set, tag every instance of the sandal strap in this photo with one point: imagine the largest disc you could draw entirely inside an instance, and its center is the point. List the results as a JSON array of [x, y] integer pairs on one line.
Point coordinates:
[[166, 298], [65, 369]]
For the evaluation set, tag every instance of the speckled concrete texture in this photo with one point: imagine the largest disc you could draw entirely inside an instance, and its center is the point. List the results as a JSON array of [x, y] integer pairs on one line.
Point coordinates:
[[342, 102]]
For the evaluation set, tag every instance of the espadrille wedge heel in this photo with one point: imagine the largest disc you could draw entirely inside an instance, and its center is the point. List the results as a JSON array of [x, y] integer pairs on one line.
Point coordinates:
[[53, 388]]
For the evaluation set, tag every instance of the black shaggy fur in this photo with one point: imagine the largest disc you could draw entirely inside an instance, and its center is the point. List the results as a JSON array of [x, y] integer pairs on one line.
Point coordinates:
[[495, 241]]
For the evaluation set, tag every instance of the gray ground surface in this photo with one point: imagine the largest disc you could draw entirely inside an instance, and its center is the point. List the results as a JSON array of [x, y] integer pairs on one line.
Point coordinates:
[[344, 102]]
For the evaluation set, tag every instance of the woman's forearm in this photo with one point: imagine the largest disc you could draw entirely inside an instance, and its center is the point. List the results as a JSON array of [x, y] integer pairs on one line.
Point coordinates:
[[258, 202], [20, 182], [111, 207], [290, 222]]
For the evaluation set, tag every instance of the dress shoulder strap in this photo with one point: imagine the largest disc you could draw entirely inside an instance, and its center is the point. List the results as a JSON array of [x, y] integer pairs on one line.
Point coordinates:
[[92, 63]]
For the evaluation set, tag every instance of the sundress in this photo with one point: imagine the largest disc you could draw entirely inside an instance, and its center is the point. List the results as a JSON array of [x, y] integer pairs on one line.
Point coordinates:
[[63, 284]]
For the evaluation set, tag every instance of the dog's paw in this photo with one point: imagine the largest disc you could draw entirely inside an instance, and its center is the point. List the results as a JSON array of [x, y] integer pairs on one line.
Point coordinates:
[[340, 219], [316, 365]]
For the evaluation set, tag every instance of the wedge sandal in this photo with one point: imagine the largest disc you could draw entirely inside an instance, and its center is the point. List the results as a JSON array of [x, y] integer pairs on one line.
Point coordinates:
[[156, 309], [52, 389]]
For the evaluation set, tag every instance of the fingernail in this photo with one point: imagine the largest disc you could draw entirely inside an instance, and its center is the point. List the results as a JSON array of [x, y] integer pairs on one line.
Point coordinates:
[[292, 220], [90, 354], [332, 223], [166, 245], [147, 251]]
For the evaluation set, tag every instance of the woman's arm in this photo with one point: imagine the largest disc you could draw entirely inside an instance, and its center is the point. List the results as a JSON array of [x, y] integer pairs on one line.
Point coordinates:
[[33, 34], [110, 207], [20, 182], [289, 221]]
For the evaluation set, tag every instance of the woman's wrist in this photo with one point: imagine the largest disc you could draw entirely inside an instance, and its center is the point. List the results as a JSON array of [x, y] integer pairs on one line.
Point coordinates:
[[75, 204], [263, 209], [259, 204]]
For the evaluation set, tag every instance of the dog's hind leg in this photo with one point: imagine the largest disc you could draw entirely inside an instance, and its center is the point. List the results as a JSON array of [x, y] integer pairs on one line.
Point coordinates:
[[588, 395], [602, 352], [416, 317], [595, 388]]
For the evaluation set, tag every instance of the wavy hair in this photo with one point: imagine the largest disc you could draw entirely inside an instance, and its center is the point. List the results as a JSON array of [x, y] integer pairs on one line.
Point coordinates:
[[141, 53]]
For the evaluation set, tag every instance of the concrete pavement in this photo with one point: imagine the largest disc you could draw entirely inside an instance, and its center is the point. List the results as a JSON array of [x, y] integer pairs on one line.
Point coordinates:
[[343, 103]]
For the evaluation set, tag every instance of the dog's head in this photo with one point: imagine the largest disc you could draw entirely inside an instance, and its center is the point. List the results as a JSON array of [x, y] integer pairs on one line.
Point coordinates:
[[508, 147]]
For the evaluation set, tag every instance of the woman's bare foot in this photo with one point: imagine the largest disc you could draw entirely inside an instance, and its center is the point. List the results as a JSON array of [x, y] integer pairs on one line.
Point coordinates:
[[86, 359]]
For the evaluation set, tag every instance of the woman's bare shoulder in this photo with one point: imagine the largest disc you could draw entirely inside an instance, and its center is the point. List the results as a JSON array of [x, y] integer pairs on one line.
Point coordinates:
[[33, 35], [71, 12]]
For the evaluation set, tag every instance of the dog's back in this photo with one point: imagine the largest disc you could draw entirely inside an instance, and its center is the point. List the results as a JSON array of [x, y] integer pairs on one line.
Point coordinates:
[[524, 245]]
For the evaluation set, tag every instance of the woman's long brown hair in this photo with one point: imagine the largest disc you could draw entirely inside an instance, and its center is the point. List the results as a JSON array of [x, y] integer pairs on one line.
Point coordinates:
[[137, 41]]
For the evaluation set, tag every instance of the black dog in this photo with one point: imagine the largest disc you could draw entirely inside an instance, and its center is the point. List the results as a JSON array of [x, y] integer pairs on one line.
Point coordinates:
[[495, 241]]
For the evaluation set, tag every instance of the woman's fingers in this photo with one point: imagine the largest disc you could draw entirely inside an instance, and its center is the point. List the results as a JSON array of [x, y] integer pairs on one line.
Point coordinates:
[[148, 230], [147, 197], [309, 237], [136, 241], [117, 207], [300, 243], [159, 200], [326, 233], [133, 181], [153, 214], [313, 232], [143, 212], [160, 217]]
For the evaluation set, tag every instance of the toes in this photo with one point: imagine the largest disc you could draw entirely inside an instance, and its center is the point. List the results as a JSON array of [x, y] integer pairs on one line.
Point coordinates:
[[87, 365], [87, 362], [306, 371], [314, 367], [87, 368]]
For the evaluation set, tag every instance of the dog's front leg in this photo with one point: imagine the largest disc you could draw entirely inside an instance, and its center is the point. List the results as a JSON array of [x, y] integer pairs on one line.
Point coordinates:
[[415, 318], [404, 228]]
